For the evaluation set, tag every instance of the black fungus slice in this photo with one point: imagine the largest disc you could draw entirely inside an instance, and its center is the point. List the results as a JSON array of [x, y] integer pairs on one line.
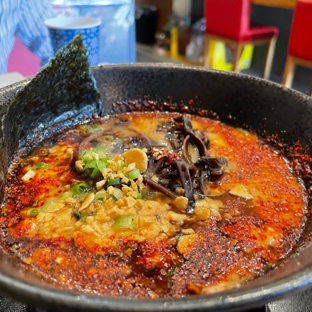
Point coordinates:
[[179, 171]]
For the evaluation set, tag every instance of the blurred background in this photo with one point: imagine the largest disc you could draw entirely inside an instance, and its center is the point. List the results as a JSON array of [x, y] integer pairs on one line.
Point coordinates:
[[178, 31]]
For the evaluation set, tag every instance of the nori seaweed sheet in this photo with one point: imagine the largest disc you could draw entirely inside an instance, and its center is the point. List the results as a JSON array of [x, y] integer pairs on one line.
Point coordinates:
[[62, 93], [64, 88], [65, 82]]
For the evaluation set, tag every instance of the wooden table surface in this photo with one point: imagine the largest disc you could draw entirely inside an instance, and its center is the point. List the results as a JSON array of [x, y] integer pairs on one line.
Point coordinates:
[[287, 4]]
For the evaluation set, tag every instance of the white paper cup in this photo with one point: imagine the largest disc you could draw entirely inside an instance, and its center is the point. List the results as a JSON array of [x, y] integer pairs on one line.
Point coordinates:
[[63, 29]]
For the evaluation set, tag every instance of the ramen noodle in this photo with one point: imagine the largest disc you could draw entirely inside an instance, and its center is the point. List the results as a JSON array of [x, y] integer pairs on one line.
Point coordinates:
[[150, 205]]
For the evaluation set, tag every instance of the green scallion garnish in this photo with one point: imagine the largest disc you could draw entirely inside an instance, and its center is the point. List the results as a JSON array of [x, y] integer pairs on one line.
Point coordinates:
[[41, 165], [134, 174], [125, 222]]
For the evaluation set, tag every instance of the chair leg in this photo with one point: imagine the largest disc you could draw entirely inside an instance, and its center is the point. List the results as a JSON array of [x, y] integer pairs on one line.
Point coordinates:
[[289, 71], [269, 58], [206, 51], [237, 54]]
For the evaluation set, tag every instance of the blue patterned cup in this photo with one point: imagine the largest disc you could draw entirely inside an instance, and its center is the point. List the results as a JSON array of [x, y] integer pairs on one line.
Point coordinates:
[[63, 29]]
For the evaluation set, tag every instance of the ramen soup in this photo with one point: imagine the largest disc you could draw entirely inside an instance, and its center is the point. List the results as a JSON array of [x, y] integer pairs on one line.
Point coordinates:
[[150, 205]]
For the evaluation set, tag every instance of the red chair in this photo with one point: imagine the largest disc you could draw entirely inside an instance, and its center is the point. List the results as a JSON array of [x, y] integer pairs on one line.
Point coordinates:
[[300, 44], [228, 21]]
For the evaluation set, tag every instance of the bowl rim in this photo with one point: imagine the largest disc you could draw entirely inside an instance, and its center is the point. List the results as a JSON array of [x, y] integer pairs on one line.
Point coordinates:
[[232, 300]]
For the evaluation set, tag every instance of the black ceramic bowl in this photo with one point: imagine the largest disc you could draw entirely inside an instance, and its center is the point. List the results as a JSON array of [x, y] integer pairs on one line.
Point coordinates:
[[238, 100]]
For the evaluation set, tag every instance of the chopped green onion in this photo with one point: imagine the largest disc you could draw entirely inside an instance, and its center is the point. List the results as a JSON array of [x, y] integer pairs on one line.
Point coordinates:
[[101, 164], [41, 165], [122, 166], [125, 222], [90, 164], [100, 195], [49, 202], [77, 214], [115, 181], [86, 156], [67, 194], [95, 172], [108, 138], [28, 175], [79, 188], [134, 174], [90, 128], [93, 167], [101, 153], [171, 270], [33, 212], [118, 193], [139, 196], [82, 216]]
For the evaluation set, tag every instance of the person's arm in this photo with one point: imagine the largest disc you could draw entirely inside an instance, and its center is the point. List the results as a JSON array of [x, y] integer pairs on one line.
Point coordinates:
[[9, 18], [31, 29]]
